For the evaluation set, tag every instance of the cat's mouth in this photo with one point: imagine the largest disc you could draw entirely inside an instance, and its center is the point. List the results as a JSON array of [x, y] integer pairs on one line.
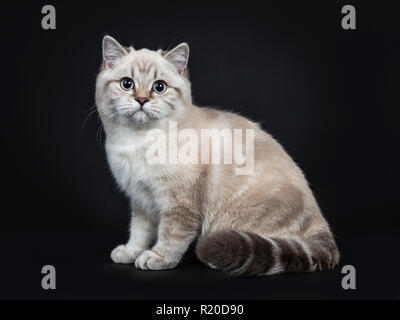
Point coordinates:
[[139, 115], [130, 112], [135, 114]]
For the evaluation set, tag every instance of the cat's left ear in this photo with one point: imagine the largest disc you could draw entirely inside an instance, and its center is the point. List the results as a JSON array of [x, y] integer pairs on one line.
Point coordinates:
[[112, 51], [179, 57]]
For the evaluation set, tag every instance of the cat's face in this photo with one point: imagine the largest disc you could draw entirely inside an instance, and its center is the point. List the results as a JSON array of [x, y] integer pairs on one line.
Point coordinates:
[[138, 87]]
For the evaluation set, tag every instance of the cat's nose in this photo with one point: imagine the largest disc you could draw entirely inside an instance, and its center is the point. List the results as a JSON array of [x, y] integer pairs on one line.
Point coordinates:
[[142, 101]]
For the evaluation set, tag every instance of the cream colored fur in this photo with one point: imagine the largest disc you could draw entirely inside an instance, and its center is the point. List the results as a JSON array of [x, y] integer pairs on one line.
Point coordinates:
[[173, 204]]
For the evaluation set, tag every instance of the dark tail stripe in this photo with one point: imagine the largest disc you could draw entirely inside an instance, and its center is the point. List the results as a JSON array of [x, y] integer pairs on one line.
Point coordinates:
[[245, 253]]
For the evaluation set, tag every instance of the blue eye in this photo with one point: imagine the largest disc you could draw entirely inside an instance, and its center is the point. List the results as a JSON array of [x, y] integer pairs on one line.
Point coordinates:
[[127, 84], [159, 87]]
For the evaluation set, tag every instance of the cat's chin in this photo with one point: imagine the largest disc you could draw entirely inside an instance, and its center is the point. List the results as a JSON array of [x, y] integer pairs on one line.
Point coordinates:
[[141, 116]]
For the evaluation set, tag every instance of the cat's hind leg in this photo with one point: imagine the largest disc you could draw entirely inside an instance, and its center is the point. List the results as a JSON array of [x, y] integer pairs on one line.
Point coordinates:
[[282, 231]]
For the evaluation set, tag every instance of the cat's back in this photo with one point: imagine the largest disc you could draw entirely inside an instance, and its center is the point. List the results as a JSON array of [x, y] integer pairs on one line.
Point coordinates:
[[211, 118], [267, 151], [217, 118]]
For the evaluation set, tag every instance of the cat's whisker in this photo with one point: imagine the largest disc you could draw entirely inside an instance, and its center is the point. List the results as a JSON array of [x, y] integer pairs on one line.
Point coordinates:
[[87, 117], [98, 135]]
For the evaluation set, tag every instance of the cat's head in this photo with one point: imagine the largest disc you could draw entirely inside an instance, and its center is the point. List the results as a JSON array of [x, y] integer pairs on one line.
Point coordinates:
[[139, 87]]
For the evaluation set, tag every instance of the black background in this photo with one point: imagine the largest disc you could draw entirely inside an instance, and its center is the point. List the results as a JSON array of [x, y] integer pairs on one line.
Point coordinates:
[[329, 95]]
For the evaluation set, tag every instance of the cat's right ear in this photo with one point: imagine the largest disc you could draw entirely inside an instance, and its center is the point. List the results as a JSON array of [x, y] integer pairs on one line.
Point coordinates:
[[112, 51]]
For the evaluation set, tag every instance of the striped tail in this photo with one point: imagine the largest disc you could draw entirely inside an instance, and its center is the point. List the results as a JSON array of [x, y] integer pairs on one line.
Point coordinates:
[[245, 253]]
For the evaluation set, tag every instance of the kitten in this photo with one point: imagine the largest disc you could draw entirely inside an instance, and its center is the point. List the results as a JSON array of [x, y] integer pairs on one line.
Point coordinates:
[[262, 223]]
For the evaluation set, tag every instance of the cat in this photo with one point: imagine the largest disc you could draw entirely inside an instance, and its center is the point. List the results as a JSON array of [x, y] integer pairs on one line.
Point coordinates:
[[263, 223]]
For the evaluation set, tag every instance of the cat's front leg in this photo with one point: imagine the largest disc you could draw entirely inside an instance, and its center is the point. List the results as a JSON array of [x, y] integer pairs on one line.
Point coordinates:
[[177, 229], [142, 233]]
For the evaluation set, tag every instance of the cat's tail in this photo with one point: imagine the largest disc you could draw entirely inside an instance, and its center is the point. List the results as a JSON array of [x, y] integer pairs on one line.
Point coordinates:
[[245, 253]]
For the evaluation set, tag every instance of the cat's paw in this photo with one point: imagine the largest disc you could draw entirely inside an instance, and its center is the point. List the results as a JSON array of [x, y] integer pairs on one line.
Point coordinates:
[[124, 254], [149, 260]]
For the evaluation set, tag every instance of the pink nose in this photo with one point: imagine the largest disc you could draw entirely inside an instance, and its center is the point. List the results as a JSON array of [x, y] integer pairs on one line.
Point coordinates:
[[142, 101]]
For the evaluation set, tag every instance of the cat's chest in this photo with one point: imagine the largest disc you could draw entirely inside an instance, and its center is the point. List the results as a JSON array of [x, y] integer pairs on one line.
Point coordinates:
[[128, 163], [138, 178]]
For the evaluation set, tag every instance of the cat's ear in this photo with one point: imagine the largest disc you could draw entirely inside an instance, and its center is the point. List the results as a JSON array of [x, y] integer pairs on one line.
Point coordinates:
[[112, 51], [179, 57]]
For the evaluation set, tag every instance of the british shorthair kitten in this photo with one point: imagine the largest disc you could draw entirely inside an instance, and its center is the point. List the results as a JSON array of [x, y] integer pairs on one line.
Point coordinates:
[[258, 218]]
